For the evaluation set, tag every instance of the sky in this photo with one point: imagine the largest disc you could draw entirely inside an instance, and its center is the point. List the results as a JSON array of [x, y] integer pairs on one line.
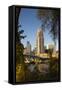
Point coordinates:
[[30, 24]]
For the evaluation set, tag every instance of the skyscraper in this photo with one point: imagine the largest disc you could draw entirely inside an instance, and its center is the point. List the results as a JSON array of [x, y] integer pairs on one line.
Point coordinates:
[[28, 47], [40, 41]]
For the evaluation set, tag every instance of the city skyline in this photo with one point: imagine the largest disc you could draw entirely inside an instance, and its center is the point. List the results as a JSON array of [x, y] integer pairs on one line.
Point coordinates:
[[30, 25]]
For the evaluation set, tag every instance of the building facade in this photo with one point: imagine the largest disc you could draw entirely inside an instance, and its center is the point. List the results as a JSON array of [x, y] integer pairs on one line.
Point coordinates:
[[27, 49], [40, 41]]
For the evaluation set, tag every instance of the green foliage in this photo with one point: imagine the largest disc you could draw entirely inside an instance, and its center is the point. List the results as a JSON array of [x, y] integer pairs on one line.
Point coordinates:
[[54, 69], [20, 65], [19, 37], [21, 73], [19, 53], [19, 46], [50, 20]]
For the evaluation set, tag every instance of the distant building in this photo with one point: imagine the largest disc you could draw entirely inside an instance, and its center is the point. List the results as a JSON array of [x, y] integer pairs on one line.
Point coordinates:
[[34, 51], [51, 46], [54, 53], [27, 49], [40, 41]]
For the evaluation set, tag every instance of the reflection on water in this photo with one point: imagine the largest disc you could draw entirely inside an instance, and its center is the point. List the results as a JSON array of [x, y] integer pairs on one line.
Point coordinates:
[[42, 68], [37, 70], [31, 67]]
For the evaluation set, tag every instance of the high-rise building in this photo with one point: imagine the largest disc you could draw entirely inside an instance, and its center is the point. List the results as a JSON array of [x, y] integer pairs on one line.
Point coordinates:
[[28, 47], [40, 41]]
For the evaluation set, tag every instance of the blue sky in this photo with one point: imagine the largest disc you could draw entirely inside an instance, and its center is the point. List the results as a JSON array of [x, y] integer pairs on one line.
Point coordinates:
[[30, 24]]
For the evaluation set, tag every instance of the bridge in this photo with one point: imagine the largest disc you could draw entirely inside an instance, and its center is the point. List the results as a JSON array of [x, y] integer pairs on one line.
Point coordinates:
[[41, 63], [29, 58]]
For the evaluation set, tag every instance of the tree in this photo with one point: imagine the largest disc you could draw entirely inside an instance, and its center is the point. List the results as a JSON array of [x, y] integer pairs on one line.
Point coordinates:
[[19, 37], [50, 20], [20, 65], [19, 47]]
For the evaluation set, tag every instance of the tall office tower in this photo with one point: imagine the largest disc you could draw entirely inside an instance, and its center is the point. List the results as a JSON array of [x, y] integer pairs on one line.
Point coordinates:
[[40, 41], [28, 47]]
